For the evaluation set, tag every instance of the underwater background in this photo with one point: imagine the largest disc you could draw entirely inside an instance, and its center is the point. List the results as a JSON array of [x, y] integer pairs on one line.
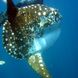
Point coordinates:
[[61, 58]]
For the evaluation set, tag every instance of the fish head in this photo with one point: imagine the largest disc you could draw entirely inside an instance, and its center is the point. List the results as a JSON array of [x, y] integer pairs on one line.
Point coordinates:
[[52, 17]]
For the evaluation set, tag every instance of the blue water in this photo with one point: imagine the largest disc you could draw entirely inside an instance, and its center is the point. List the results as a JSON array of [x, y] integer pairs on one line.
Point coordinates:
[[61, 59]]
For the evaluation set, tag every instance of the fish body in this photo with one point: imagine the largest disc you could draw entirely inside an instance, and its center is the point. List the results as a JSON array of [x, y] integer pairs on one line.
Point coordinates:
[[21, 29], [29, 23]]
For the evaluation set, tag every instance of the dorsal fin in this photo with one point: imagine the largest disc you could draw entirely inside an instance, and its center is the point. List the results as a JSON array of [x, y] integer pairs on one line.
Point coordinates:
[[11, 11]]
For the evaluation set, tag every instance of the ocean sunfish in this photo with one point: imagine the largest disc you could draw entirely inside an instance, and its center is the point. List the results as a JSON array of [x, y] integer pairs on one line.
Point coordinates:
[[22, 27]]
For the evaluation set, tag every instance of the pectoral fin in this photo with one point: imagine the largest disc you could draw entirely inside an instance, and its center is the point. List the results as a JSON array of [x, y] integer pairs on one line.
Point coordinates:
[[36, 62]]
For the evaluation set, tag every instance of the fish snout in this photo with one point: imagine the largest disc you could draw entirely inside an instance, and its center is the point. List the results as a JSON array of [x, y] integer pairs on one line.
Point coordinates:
[[54, 16]]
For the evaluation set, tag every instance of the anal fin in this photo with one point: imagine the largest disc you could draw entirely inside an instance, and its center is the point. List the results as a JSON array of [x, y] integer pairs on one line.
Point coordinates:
[[36, 62]]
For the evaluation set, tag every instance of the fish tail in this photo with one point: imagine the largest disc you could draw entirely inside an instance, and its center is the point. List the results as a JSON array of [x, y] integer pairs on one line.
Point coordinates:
[[36, 62]]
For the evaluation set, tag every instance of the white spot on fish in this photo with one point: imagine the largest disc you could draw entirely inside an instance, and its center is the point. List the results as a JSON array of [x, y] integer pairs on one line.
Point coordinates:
[[44, 13], [39, 13], [12, 33]]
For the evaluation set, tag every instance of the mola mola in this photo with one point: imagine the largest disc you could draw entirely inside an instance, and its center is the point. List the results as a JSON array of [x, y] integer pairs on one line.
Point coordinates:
[[23, 26]]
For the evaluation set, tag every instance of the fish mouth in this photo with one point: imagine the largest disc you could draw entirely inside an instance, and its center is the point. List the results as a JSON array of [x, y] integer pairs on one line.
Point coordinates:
[[58, 16]]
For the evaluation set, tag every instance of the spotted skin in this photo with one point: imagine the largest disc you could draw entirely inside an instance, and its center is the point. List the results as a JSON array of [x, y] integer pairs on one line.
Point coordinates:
[[37, 63], [18, 36]]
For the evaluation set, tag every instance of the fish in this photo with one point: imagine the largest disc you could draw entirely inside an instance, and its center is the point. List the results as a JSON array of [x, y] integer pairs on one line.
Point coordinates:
[[23, 26], [2, 62]]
